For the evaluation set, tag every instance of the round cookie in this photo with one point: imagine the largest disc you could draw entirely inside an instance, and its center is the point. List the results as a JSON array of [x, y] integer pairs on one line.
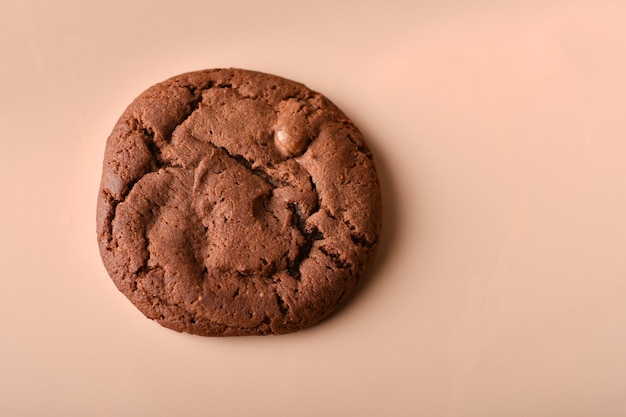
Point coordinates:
[[234, 202]]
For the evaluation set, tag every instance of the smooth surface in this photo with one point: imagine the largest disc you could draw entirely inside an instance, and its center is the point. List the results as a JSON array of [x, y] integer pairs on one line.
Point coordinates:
[[500, 138]]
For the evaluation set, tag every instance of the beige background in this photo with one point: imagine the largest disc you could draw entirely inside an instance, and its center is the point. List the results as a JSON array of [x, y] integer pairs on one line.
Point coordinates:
[[499, 131]]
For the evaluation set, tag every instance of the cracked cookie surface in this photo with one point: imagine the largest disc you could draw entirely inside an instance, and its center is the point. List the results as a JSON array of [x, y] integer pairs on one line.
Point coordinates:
[[234, 202]]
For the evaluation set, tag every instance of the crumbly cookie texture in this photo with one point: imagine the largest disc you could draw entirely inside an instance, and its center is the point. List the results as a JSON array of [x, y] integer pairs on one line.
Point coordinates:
[[234, 202]]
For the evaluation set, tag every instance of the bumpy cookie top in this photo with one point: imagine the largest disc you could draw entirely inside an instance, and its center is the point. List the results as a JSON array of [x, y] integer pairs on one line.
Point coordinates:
[[234, 202]]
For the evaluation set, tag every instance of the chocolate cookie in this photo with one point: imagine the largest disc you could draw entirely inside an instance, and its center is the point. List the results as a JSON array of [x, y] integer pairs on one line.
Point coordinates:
[[235, 203]]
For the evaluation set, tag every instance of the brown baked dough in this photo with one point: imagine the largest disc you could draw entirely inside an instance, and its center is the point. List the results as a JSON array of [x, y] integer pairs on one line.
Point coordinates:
[[236, 203]]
